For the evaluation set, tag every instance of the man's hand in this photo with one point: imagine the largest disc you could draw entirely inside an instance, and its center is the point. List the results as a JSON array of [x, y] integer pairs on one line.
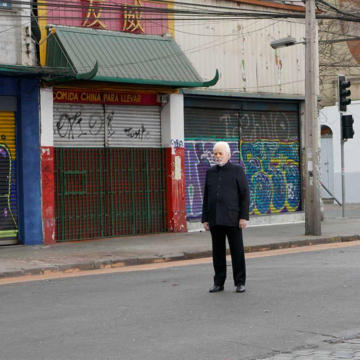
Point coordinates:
[[206, 226], [242, 223]]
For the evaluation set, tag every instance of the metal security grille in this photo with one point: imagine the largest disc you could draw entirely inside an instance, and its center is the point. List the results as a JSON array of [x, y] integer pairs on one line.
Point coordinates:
[[265, 143], [8, 191], [104, 192]]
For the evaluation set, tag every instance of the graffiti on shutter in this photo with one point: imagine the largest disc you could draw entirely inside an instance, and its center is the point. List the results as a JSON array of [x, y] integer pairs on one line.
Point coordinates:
[[97, 125], [269, 144], [78, 125], [134, 126], [8, 190]]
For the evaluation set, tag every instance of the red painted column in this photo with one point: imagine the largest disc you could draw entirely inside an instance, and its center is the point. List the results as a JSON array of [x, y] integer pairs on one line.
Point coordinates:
[[175, 158], [48, 194]]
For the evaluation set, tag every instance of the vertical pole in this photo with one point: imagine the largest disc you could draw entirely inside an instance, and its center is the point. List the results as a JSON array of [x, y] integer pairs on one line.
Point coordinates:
[[342, 175], [312, 195]]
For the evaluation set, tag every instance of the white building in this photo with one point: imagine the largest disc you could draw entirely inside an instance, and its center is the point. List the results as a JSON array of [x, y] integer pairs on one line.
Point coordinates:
[[330, 160], [16, 44]]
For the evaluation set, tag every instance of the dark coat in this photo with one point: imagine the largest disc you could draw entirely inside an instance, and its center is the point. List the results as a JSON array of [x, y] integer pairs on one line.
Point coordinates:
[[226, 196]]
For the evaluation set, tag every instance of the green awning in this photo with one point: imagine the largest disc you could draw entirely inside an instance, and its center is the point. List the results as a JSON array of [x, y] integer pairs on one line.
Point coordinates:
[[112, 56], [34, 71]]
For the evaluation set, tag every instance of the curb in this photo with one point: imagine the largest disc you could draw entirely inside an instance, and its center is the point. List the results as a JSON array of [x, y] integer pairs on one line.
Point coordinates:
[[124, 262]]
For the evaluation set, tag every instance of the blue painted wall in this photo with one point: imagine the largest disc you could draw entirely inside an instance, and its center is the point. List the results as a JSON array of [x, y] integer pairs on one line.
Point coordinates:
[[8, 86], [28, 142], [28, 156]]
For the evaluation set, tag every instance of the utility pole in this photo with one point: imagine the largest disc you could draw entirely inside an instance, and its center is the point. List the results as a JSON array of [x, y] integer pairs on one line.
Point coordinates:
[[311, 128]]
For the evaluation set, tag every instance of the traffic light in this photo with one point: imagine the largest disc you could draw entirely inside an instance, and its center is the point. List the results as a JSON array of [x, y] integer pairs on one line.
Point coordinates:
[[347, 126], [344, 92]]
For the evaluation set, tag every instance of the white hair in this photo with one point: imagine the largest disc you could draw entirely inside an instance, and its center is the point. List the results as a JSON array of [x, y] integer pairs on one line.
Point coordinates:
[[225, 145]]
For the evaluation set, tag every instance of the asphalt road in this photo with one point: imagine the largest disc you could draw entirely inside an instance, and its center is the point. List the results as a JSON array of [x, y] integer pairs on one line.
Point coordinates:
[[293, 302]]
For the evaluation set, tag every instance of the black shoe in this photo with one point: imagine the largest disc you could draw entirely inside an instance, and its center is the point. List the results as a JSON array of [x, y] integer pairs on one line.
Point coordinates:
[[216, 288], [240, 288]]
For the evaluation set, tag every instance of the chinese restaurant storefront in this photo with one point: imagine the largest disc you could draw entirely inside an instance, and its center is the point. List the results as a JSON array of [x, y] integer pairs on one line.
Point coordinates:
[[110, 169], [116, 148]]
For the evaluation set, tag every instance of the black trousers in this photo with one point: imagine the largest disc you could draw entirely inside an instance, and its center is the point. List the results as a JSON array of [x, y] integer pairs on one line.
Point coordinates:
[[234, 236]]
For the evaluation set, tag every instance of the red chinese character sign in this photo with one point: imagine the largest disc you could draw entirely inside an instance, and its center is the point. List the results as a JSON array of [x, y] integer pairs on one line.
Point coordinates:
[[115, 15]]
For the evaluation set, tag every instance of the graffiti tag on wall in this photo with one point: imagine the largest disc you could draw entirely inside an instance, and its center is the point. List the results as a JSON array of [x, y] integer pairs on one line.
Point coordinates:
[[76, 125], [7, 219], [272, 170], [137, 133], [199, 158]]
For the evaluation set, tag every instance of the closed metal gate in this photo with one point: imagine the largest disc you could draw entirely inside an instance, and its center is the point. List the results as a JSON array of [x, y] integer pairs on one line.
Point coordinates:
[[8, 190], [265, 143], [109, 192], [110, 171]]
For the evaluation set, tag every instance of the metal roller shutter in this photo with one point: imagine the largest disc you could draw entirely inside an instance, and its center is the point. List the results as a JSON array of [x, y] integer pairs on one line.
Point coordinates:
[[203, 128], [8, 190], [270, 152], [134, 126], [83, 125], [78, 125], [269, 143]]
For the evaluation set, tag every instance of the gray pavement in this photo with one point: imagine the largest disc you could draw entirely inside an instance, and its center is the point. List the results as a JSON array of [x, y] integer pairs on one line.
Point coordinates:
[[21, 260], [339, 350], [296, 306]]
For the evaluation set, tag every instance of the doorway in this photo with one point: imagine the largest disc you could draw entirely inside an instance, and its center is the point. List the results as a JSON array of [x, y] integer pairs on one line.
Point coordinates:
[[327, 162]]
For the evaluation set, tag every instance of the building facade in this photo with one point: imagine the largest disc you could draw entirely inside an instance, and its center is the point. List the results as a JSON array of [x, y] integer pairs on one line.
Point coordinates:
[[330, 159], [112, 134], [339, 57], [257, 106], [20, 210], [125, 129]]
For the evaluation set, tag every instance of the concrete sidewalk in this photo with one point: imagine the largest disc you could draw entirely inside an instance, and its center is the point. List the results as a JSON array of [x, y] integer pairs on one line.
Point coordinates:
[[21, 260]]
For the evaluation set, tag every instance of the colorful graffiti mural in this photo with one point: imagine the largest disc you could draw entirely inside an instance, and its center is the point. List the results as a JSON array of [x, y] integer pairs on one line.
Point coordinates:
[[272, 169], [271, 166], [7, 188]]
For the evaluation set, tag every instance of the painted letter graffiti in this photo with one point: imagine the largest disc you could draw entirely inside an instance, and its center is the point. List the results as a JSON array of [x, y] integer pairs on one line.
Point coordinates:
[[72, 126], [176, 143], [65, 126], [137, 133], [7, 220], [272, 170]]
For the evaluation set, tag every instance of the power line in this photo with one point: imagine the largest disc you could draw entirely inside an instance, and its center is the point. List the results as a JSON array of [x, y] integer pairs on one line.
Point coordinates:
[[332, 7], [266, 86], [233, 16], [235, 13], [105, 8]]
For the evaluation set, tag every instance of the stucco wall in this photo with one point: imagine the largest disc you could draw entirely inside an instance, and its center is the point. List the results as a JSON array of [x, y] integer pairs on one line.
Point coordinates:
[[16, 45], [330, 117], [240, 49]]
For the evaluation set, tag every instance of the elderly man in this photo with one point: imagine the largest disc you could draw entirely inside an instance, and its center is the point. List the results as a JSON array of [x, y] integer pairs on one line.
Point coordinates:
[[225, 214]]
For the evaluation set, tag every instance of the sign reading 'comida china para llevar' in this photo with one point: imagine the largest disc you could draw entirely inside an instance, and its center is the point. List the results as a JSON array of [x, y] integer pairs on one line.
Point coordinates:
[[111, 97]]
